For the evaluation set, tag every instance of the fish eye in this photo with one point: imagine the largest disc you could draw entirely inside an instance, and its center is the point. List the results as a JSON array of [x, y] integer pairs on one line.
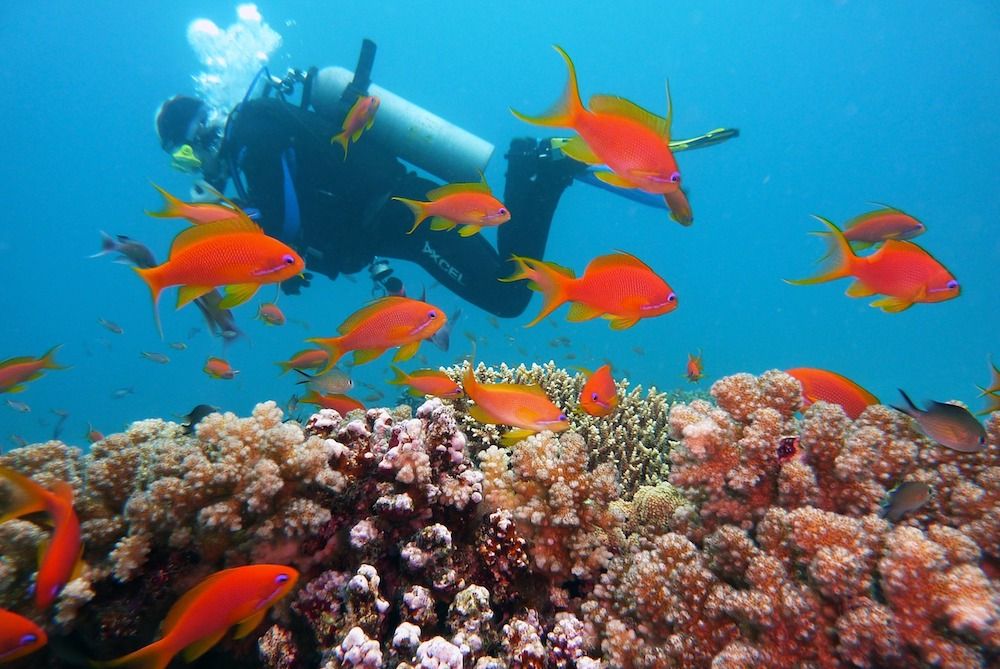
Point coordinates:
[[952, 285], [672, 297], [432, 314], [593, 396], [501, 211], [288, 259], [675, 177], [28, 639], [281, 578], [562, 416]]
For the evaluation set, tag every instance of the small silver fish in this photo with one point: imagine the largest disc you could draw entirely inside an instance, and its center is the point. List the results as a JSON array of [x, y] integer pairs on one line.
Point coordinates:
[[334, 382], [158, 358], [122, 392], [110, 325], [178, 345], [904, 498], [19, 406]]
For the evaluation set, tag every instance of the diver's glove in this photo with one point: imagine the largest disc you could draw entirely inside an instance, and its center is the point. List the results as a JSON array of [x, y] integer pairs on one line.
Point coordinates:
[[295, 285]]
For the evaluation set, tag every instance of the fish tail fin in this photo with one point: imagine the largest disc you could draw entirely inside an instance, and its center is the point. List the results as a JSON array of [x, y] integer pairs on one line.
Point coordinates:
[[399, 376], [152, 279], [48, 360], [172, 206], [156, 655], [838, 260], [911, 408], [418, 208], [567, 109], [108, 245], [28, 496], [286, 366], [335, 347], [341, 138], [549, 279]]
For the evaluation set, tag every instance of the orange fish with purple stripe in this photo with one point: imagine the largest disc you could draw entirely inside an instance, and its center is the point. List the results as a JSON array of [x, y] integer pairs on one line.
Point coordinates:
[[695, 368], [386, 323], [821, 385], [15, 372], [901, 271], [234, 253], [18, 636], [270, 314], [195, 212], [632, 142], [426, 382], [310, 358], [526, 407], [217, 368], [361, 117], [339, 402], [239, 597], [880, 225], [470, 204], [599, 397], [62, 556], [617, 286]]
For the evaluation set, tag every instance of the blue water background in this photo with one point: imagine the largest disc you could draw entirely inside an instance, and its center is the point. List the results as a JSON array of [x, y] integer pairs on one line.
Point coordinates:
[[838, 104]]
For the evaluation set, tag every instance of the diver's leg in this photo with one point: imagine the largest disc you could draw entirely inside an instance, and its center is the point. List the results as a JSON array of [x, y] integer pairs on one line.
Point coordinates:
[[467, 266], [537, 175]]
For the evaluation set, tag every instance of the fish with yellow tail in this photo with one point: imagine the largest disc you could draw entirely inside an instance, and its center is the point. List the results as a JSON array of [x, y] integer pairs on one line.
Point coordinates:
[[632, 142], [61, 559], [470, 204], [617, 286], [361, 117], [386, 323], [525, 407], [239, 597], [901, 271], [195, 212], [423, 382], [233, 253], [15, 372]]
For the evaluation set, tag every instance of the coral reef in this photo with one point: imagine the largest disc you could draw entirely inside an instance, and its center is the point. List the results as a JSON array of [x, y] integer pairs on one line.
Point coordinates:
[[723, 532]]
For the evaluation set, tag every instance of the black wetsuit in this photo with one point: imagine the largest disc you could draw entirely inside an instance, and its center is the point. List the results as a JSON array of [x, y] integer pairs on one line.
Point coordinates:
[[347, 216]]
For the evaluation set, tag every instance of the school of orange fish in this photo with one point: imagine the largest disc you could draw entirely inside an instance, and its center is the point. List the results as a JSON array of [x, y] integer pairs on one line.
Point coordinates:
[[225, 248]]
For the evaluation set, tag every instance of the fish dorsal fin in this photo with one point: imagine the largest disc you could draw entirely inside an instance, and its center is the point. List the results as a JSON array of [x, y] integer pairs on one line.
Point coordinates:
[[197, 233], [616, 106], [616, 260], [530, 388], [181, 606], [366, 312], [454, 189]]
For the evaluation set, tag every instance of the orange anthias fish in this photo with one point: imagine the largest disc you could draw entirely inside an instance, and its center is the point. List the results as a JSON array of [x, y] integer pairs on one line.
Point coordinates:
[[196, 212], [62, 557], [360, 118], [617, 286], [234, 253], [239, 597], [218, 368], [310, 358], [901, 271], [471, 204], [271, 314], [599, 397], [632, 142], [15, 372], [18, 636], [525, 407], [339, 402], [695, 368], [820, 385], [879, 226], [385, 323], [427, 382]]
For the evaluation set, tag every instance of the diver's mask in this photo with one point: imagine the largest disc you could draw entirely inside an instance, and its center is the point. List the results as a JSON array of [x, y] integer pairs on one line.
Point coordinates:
[[185, 160]]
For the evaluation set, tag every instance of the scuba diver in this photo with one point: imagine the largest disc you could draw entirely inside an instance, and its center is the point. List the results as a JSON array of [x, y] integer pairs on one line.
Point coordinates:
[[336, 208]]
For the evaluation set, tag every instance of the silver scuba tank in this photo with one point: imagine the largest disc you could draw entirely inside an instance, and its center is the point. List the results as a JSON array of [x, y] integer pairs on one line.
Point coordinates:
[[412, 133]]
